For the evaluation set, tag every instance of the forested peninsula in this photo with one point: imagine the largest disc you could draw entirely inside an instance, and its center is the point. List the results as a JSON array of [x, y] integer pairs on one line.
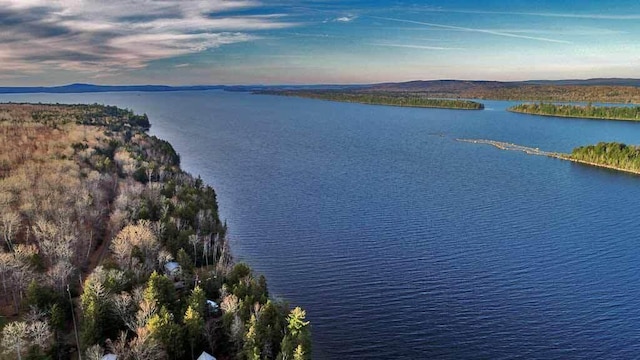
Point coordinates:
[[626, 113], [611, 155], [594, 90], [382, 98], [108, 247]]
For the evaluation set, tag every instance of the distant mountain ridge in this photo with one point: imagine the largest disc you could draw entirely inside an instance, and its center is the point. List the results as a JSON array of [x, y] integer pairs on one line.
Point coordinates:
[[519, 90], [83, 88], [458, 85], [589, 82], [89, 88], [606, 90]]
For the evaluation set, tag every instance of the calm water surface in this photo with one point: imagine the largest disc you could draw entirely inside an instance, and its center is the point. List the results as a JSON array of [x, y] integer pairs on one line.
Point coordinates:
[[402, 243]]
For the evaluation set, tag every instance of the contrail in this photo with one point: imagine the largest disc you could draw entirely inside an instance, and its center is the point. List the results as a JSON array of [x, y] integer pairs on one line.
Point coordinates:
[[555, 15], [491, 32]]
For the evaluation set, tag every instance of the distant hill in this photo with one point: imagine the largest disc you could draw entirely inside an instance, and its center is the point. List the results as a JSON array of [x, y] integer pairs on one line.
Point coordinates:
[[83, 88], [465, 85], [588, 82], [89, 88], [440, 85], [613, 90]]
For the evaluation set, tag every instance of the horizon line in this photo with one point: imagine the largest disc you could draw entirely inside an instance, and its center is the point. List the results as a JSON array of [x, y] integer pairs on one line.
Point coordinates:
[[316, 84]]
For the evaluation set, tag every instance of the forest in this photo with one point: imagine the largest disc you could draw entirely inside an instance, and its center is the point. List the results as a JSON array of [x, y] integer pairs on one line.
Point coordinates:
[[108, 247], [550, 91], [382, 98], [613, 154], [629, 113]]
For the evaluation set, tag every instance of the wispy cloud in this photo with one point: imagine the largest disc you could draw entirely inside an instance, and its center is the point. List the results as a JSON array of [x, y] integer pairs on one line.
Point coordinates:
[[105, 37], [347, 18], [483, 31], [574, 31], [410, 46], [544, 14], [314, 35]]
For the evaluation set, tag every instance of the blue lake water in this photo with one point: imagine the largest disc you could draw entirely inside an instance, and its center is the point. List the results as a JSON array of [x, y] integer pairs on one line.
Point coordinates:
[[402, 243]]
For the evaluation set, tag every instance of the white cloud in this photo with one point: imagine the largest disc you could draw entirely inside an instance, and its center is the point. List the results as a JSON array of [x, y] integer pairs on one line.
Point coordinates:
[[109, 36], [347, 18]]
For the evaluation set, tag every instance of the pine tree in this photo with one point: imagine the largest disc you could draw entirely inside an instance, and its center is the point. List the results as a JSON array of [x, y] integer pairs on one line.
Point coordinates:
[[194, 323]]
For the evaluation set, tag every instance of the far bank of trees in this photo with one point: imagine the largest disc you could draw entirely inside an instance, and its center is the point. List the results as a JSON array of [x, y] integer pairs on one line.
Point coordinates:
[[578, 111], [384, 98], [614, 154]]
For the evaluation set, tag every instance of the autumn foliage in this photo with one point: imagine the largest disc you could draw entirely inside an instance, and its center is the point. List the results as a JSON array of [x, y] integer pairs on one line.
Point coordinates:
[[92, 210]]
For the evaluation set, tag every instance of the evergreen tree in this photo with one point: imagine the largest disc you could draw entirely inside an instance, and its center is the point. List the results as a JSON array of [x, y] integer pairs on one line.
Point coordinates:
[[167, 332], [95, 312], [251, 341], [198, 301], [160, 291], [297, 340], [194, 323]]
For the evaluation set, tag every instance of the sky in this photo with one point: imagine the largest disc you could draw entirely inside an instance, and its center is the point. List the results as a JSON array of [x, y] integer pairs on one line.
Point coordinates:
[[189, 42]]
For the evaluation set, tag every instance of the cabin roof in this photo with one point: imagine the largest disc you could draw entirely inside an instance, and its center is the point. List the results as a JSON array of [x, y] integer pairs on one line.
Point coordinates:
[[172, 266], [213, 304], [206, 356]]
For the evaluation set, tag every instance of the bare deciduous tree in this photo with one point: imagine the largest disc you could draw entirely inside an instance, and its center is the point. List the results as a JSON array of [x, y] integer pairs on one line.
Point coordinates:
[[19, 335], [10, 223], [15, 338], [40, 334], [94, 352], [136, 242], [58, 274]]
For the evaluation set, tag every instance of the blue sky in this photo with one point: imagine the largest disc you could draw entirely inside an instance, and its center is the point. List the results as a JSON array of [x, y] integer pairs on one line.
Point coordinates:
[[47, 42]]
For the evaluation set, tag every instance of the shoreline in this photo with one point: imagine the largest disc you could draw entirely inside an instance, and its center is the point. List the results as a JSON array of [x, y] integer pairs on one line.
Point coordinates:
[[377, 103], [153, 226], [571, 117], [605, 166]]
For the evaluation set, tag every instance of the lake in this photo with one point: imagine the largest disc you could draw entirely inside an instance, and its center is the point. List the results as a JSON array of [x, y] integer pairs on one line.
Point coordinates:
[[402, 243]]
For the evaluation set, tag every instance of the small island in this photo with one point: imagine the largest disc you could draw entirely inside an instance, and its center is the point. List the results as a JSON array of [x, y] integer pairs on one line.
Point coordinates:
[[580, 111], [382, 98]]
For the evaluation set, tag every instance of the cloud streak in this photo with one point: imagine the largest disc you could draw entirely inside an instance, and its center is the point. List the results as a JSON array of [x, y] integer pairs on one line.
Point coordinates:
[[419, 47], [96, 36], [347, 18], [544, 14], [482, 31]]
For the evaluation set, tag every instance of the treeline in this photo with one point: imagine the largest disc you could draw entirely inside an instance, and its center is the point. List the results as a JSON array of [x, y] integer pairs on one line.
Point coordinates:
[[621, 156], [559, 93], [517, 91], [383, 98], [82, 114], [578, 111], [93, 211]]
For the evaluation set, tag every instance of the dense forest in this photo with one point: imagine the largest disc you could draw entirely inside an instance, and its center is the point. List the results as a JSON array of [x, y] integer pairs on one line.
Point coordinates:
[[382, 98], [577, 111], [560, 93], [585, 91], [108, 247], [613, 154]]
